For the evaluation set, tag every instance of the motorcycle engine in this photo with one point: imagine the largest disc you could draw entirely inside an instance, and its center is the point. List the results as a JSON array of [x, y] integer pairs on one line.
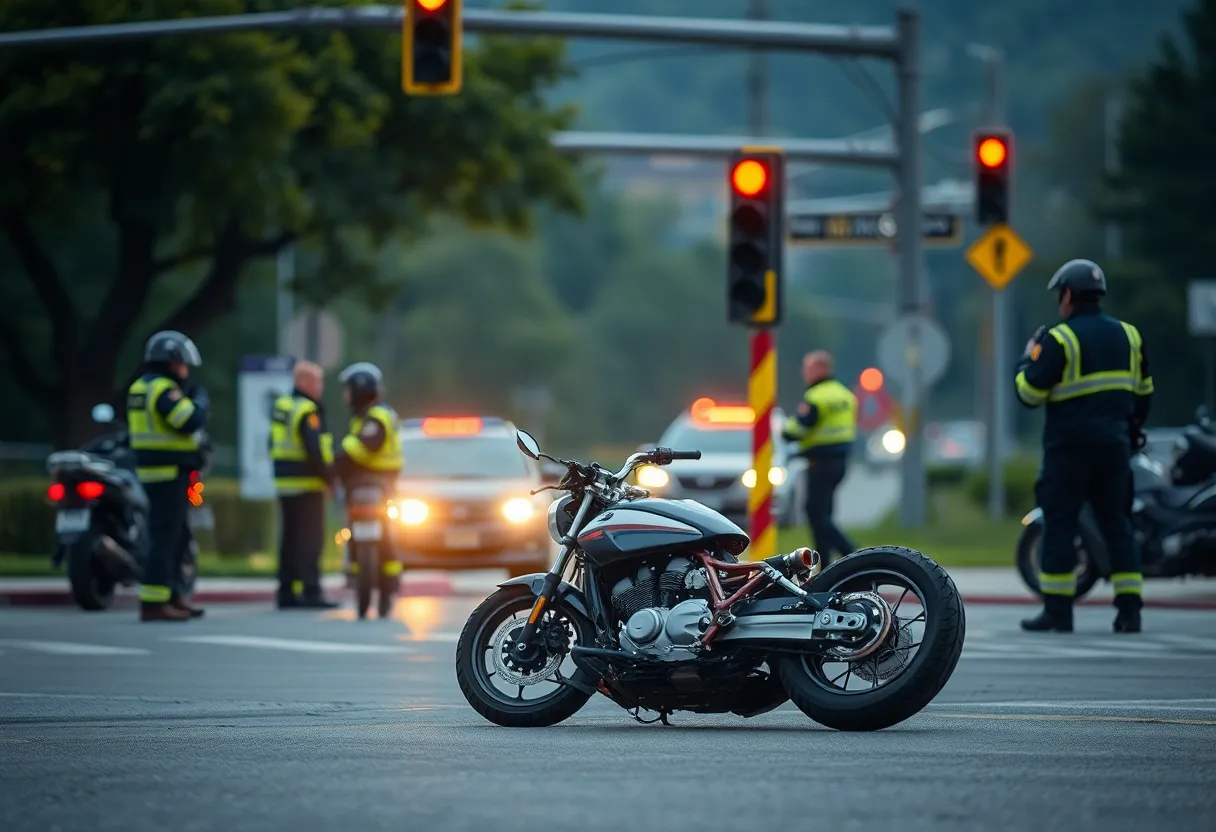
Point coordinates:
[[663, 610]]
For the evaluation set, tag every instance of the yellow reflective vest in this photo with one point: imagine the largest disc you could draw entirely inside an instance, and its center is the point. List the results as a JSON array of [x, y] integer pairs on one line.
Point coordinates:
[[388, 458], [837, 422], [293, 473], [161, 447]]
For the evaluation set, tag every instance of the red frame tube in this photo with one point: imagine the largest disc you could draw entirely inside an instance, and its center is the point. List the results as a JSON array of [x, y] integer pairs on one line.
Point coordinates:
[[736, 572]]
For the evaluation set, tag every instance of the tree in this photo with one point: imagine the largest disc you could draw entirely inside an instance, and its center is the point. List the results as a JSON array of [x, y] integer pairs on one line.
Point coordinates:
[[1163, 195], [196, 158]]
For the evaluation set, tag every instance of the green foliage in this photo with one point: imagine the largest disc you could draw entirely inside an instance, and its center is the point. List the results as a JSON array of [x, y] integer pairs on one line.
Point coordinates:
[[1020, 475], [27, 517], [168, 166]]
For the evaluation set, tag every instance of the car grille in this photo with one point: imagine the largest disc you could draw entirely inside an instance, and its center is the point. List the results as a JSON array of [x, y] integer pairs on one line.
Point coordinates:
[[461, 511], [706, 482]]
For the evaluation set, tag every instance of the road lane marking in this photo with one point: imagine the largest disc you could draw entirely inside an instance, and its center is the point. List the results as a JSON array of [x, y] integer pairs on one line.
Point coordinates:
[[289, 644], [67, 648], [1080, 704], [431, 638], [1157, 720]]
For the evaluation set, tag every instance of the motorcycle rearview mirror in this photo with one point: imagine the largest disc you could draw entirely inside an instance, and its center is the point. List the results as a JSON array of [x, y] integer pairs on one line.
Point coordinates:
[[527, 444], [103, 414]]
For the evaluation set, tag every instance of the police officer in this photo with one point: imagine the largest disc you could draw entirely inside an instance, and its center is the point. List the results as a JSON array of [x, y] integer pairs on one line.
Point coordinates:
[[824, 429], [1092, 374], [302, 453], [371, 452], [163, 422]]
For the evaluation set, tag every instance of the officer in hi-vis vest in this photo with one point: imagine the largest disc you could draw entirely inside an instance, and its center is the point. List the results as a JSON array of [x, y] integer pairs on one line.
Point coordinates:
[[302, 453], [824, 429], [371, 452], [1091, 375], [163, 423]]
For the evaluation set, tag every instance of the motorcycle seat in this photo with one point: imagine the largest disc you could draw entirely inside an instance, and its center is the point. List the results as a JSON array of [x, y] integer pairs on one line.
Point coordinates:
[[133, 488]]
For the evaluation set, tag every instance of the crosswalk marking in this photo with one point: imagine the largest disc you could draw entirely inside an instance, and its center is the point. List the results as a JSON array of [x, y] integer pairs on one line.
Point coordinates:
[[67, 648], [290, 644]]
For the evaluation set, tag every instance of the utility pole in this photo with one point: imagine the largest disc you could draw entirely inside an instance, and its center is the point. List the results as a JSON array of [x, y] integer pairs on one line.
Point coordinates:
[[285, 273], [994, 334], [757, 77]]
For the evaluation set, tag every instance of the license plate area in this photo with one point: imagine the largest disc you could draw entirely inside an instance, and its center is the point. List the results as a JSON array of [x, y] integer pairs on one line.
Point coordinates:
[[366, 530], [71, 520], [462, 540]]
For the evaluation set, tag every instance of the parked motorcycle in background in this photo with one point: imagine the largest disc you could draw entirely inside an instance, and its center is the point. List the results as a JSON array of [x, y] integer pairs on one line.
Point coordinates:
[[1173, 517], [101, 525], [101, 522], [367, 507]]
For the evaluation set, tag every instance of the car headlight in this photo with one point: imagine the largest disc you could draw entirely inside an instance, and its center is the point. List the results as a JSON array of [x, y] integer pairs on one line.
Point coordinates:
[[518, 510], [776, 476], [893, 441], [652, 476], [410, 512]]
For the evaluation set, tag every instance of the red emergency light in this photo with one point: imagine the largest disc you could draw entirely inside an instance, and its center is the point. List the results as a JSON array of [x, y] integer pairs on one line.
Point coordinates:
[[708, 412], [451, 425]]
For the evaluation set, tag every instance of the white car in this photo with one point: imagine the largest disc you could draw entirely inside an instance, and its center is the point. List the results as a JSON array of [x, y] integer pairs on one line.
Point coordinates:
[[723, 477]]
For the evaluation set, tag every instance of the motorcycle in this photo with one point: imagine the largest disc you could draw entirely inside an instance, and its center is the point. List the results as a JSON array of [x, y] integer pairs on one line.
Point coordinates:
[[1174, 526], [1194, 455], [101, 524], [649, 601], [367, 507], [102, 519]]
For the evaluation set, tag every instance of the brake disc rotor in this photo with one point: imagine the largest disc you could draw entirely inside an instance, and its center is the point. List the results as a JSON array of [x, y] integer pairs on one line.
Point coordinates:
[[876, 609], [890, 660], [509, 668]]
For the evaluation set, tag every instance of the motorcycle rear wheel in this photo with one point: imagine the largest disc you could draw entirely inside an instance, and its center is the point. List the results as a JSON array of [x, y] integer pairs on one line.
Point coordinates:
[[92, 586], [915, 682], [367, 557], [491, 618]]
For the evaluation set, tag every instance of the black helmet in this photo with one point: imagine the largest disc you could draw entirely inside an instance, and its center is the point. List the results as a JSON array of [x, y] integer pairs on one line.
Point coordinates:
[[171, 347], [1081, 277], [363, 380]]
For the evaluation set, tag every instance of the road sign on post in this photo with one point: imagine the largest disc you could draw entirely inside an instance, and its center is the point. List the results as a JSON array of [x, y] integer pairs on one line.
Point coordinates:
[[260, 380], [874, 228], [874, 408], [1201, 321], [914, 352], [999, 255]]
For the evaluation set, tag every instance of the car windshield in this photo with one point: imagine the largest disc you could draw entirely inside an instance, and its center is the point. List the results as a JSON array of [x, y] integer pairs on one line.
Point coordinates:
[[480, 457]]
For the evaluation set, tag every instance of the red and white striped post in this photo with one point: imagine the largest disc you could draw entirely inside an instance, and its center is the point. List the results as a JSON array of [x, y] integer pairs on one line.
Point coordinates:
[[762, 396]]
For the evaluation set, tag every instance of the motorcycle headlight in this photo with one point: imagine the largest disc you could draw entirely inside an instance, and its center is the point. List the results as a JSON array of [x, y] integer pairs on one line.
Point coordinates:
[[560, 519], [518, 510], [410, 512], [652, 476]]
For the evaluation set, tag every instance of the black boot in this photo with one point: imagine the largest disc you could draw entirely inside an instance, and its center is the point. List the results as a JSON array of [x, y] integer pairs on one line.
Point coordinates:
[[1056, 616], [316, 601], [1127, 619]]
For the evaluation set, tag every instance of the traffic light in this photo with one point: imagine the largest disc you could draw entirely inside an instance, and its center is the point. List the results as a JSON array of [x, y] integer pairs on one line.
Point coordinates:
[[871, 379], [993, 167], [756, 239], [430, 47]]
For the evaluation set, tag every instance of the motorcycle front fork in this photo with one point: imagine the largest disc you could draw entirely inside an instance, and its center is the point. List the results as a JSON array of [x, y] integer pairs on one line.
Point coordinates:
[[548, 589]]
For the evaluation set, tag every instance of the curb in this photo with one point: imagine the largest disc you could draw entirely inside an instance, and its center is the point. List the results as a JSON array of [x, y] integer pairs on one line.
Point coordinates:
[[445, 589]]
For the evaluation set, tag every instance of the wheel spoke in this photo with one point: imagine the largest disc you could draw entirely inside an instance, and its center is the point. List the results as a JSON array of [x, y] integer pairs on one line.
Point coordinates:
[[904, 595]]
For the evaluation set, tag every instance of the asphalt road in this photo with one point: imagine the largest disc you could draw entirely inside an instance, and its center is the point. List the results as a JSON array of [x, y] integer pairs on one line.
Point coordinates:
[[258, 720]]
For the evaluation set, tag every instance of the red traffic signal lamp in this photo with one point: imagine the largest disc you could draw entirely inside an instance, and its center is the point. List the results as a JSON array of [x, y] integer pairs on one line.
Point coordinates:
[[755, 237], [871, 379], [993, 154], [431, 39]]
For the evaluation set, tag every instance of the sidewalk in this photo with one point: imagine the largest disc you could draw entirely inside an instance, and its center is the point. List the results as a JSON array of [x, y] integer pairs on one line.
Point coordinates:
[[978, 586]]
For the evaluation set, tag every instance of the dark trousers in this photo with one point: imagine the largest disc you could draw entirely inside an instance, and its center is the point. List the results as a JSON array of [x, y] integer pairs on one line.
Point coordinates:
[[301, 540], [823, 477], [168, 535], [1102, 477]]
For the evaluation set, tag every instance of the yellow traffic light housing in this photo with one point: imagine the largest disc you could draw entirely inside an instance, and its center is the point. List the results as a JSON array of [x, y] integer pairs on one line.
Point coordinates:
[[431, 40], [756, 237]]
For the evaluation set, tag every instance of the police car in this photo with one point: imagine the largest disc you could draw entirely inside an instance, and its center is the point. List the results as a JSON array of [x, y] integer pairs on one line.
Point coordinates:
[[723, 477], [462, 499]]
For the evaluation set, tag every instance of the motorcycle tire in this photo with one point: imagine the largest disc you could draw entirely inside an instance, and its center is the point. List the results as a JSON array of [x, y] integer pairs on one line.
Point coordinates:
[[1028, 553], [926, 674], [92, 586], [368, 560], [474, 643]]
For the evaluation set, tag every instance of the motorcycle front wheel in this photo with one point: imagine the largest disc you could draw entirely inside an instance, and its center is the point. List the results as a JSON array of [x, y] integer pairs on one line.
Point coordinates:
[[906, 661], [1030, 553], [495, 681], [367, 559]]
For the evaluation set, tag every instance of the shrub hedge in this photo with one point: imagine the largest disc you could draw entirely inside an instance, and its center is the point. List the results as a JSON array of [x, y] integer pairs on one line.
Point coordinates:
[[242, 527], [1020, 475]]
